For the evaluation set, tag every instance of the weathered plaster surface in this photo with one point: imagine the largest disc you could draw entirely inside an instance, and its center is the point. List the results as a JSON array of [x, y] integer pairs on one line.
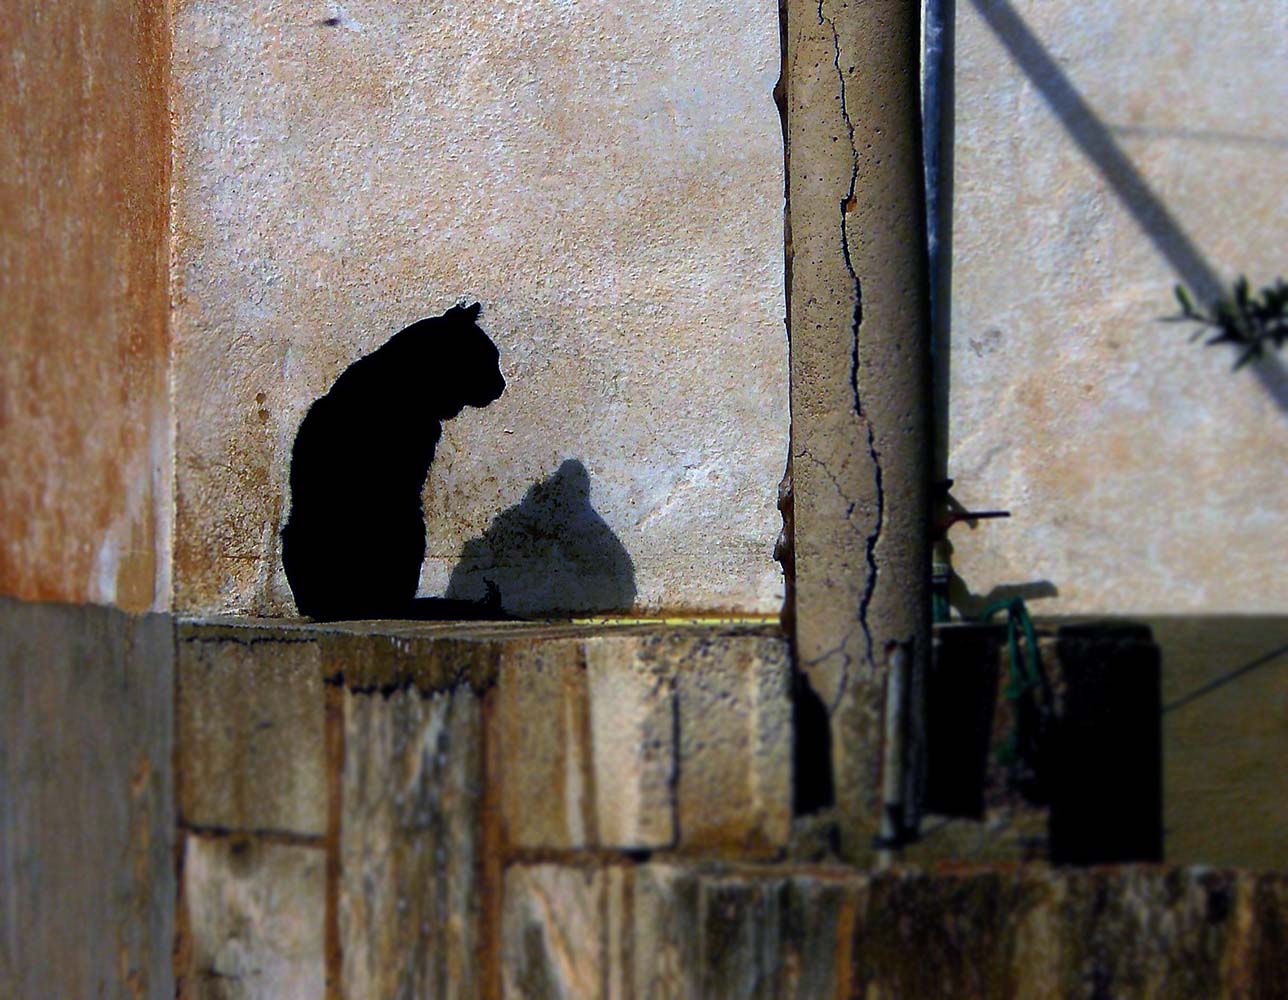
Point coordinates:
[[1142, 145], [85, 455], [607, 181], [859, 361], [87, 882]]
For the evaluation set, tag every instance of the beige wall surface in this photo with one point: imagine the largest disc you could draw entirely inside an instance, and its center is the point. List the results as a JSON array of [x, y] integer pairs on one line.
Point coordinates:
[[85, 465], [605, 179], [1103, 152]]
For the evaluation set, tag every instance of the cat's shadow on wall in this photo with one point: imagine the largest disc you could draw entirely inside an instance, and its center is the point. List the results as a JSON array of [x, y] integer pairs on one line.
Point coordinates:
[[551, 554]]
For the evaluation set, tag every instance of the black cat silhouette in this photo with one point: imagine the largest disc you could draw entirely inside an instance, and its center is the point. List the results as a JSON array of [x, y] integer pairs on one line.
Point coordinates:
[[354, 542]]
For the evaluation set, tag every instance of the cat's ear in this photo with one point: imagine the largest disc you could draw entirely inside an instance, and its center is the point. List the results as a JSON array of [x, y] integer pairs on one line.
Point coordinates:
[[467, 312]]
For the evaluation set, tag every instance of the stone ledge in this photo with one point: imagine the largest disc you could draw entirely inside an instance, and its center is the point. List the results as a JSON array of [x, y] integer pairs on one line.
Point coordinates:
[[435, 656], [635, 737]]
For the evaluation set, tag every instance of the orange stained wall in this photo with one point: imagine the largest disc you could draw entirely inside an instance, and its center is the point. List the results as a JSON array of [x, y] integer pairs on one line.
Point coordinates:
[[85, 466]]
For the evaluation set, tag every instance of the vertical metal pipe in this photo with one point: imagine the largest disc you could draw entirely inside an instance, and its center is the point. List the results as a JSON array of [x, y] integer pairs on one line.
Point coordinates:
[[894, 769], [937, 118]]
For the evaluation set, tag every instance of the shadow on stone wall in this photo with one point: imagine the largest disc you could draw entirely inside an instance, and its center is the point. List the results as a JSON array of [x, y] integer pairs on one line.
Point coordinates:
[[971, 605], [549, 554]]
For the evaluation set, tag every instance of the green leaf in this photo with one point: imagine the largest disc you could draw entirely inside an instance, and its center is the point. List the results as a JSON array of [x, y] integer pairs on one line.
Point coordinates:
[[1247, 356]]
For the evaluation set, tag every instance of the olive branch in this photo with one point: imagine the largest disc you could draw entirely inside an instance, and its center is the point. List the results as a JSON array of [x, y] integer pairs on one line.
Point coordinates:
[[1248, 321]]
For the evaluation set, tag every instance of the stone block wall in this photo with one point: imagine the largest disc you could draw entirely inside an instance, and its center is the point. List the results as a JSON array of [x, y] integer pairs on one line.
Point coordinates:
[[659, 930], [353, 803], [532, 811]]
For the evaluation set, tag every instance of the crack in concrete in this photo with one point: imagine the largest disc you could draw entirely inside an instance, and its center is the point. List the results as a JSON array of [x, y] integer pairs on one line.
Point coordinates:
[[805, 453], [870, 586], [874, 455], [844, 674], [837, 650]]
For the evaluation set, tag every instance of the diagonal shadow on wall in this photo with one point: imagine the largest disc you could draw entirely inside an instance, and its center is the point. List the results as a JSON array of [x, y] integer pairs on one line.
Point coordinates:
[[1274, 656], [1097, 143]]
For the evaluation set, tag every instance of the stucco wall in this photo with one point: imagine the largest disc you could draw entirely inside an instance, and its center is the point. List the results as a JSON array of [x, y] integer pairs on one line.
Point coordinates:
[[1101, 153], [607, 181], [85, 464]]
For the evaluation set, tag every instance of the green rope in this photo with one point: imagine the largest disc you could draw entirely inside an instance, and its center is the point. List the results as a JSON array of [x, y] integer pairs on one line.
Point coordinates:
[[940, 611], [1025, 672]]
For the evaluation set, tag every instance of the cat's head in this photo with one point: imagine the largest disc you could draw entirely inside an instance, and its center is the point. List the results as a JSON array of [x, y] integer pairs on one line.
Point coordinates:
[[470, 359]]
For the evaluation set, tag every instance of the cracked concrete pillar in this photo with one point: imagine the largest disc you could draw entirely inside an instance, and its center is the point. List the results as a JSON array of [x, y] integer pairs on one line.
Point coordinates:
[[860, 370]]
